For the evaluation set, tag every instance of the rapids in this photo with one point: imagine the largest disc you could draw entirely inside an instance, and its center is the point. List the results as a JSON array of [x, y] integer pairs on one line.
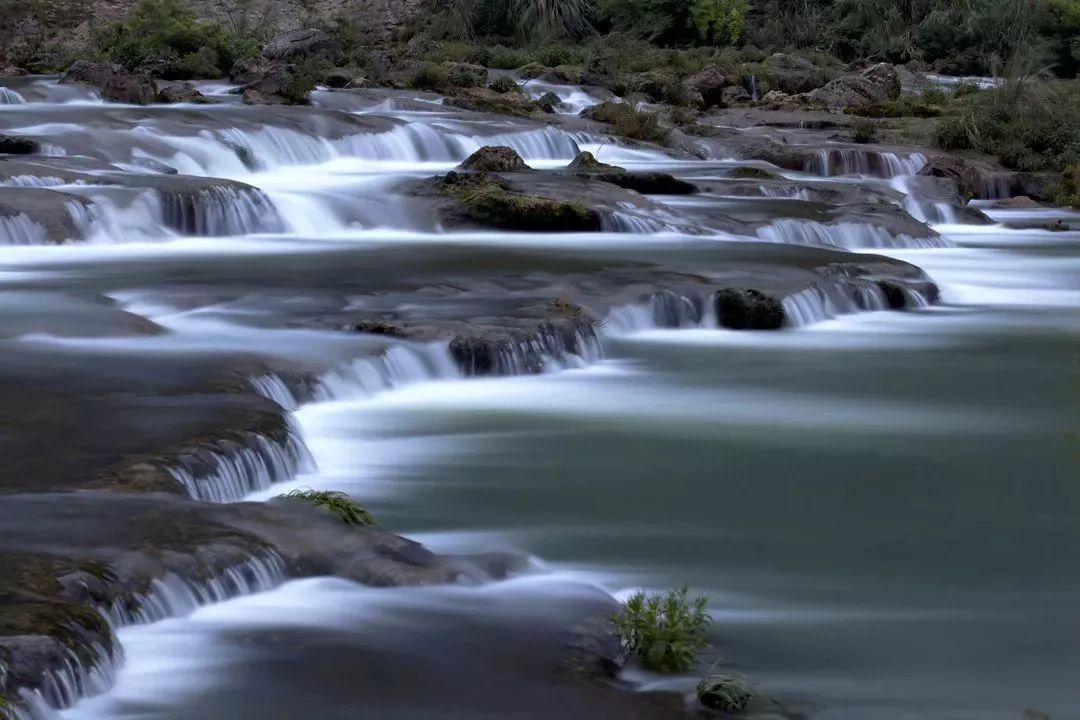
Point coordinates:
[[880, 506]]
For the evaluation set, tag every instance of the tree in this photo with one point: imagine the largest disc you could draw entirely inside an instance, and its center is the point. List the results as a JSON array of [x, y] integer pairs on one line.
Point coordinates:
[[719, 22]]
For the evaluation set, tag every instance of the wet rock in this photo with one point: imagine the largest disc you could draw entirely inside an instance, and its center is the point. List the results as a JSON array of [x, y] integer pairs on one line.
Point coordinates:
[[733, 95], [303, 44], [115, 83], [649, 183], [42, 215], [482, 99], [972, 179], [155, 166], [340, 78], [752, 173], [18, 145], [13, 71], [278, 85], [183, 93], [492, 158], [710, 83], [549, 102], [873, 85], [1036, 185], [748, 309]]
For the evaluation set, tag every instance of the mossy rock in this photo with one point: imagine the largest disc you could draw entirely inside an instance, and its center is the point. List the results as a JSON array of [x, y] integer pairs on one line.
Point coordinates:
[[488, 201], [752, 173], [487, 100], [586, 162], [748, 309], [494, 158], [649, 183], [504, 84]]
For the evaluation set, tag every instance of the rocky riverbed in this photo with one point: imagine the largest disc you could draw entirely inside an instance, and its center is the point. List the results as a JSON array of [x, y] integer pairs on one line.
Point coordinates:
[[181, 278]]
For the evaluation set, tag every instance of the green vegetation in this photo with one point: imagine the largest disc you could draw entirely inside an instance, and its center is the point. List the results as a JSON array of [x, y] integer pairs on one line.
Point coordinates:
[[752, 173], [338, 503], [724, 693], [504, 84], [170, 41], [489, 201], [863, 131], [665, 630]]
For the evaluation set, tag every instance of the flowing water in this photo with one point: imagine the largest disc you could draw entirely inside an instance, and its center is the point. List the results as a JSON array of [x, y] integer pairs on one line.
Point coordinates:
[[880, 506]]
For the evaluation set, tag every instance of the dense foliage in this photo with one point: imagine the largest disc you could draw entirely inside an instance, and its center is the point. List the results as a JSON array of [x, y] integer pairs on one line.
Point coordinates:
[[163, 36], [347, 510]]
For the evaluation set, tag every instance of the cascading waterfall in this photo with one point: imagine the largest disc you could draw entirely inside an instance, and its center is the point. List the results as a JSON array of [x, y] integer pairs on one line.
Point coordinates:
[[850, 235], [231, 470], [168, 597], [664, 309], [20, 229], [831, 162], [10, 97], [33, 181], [221, 211]]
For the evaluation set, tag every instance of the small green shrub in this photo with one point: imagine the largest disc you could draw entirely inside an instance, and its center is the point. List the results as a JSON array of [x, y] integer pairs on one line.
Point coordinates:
[[629, 122], [338, 503], [665, 630], [429, 76], [965, 88], [933, 95], [863, 131], [724, 693], [504, 84]]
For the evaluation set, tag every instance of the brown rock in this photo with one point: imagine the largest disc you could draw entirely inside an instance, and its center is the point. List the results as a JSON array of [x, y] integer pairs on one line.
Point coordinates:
[[115, 83]]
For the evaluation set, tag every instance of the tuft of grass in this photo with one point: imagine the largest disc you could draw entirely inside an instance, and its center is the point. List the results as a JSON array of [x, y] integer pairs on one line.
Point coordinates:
[[504, 84], [665, 630], [863, 131], [338, 503], [724, 693]]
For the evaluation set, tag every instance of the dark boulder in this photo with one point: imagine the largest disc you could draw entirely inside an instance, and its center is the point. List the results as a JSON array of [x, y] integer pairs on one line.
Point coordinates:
[[748, 309], [341, 78], [494, 158], [649, 183], [183, 93], [278, 85], [303, 44], [247, 71], [710, 83], [18, 145], [115, 83], [972, 179], [549, 102]]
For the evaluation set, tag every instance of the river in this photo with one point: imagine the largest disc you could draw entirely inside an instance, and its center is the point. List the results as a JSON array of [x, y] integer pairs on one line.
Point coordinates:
[[881, 506]]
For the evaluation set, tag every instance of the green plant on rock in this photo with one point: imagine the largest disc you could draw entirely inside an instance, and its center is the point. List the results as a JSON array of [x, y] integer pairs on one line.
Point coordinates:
[[629, 122], [863, 131], [339, 504], [719, 22], [724, 693], [665, 630]]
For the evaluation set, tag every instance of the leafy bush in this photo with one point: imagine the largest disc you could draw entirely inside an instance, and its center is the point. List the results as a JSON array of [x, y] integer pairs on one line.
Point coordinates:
[[504, 84], [724, 693], [719, 22], [338, 503], [665, 630]]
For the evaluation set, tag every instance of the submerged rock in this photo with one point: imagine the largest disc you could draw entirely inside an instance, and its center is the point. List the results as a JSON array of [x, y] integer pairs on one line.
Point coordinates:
[[586, 162], [115, 83], [494, 158], [748, 309]]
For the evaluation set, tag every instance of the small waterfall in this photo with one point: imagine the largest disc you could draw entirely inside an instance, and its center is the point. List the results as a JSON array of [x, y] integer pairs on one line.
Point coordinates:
[[665, 309], [997, 186], [753, 89], [35, 181], [221, 211], [10, 97], [21, 230], [398, 365], [829, 299], [168, 597], [623, 221], [173, 596], [831, 162], [231, 470], [547, 143], [73, 680], [550, 348], [850, 235]]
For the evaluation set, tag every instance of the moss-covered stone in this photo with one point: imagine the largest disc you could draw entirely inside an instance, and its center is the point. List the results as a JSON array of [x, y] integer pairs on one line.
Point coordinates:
[[752, 173], [488, 201], [494, 158]]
